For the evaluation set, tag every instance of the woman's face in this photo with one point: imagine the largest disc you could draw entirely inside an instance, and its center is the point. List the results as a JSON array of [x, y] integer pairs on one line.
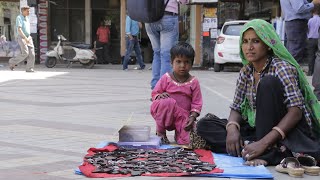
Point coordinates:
[[253, 48]]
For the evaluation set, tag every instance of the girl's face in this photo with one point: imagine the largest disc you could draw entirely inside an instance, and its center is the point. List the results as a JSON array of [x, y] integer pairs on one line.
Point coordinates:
[[181, 65], [253, 48]]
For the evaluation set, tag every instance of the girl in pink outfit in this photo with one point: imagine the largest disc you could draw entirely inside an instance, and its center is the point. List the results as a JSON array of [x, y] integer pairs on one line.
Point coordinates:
[[176, 98]]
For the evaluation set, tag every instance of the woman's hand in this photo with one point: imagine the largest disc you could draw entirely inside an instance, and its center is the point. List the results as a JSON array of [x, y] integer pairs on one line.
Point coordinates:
[[190, 123], [253, 150], [163, 96], [233, 141]]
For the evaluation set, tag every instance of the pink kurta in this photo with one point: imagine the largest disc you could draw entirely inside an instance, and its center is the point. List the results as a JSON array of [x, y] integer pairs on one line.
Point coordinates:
[[173, 113]]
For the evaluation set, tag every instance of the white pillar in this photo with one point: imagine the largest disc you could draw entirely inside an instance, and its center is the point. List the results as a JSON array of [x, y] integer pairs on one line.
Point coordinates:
[[195, 33], [123, 7], [192, 35], [88, 23]]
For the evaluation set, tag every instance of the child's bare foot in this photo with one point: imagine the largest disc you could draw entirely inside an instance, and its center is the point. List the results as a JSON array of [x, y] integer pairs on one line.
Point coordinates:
[[256, 162], [164, 138]]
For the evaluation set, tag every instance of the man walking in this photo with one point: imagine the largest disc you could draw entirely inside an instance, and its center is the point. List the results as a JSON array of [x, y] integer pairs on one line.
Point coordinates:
[[164, 34], [313, 35], [296, 15], [24, 40], [132, 32]]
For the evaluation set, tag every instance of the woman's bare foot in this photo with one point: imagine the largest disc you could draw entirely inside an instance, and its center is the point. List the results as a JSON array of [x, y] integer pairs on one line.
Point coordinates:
[[256, 162]]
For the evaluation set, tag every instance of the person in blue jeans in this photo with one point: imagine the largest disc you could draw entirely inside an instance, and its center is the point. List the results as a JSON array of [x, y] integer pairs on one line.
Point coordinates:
[[132, 43], [163, 35]]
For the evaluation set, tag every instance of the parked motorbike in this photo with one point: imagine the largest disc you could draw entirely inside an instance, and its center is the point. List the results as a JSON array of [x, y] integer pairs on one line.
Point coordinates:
[[76, 53]]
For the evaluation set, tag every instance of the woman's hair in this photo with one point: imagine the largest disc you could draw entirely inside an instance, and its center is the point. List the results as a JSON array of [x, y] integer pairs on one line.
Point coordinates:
[[182, 49]]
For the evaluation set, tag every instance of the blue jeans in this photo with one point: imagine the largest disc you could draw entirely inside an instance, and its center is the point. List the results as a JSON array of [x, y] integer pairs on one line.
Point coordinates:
[[133, 44], [296, 32], [163, 34]]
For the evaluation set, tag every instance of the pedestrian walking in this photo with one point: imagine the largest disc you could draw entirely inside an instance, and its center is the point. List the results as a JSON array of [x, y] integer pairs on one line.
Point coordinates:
[[313, 35], [163, 35], [132, 32], [296, 15], [24, 40]]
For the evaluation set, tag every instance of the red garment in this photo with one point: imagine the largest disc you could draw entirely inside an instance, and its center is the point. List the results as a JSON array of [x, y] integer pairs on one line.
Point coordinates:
[[173, 113], [103, 34], [86, 168]]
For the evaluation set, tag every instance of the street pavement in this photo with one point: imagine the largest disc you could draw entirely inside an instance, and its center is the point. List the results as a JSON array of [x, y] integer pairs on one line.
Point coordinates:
[[50, 118]]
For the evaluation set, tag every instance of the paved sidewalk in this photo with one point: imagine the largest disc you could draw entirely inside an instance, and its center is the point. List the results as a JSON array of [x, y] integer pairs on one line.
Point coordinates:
[[50, 118]]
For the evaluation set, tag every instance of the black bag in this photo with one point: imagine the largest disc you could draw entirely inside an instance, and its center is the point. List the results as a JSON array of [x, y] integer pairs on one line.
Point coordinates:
[[213, 130], [146, 11]]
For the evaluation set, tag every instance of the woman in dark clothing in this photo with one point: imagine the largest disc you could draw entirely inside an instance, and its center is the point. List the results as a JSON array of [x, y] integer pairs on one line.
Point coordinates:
[[274, 113]]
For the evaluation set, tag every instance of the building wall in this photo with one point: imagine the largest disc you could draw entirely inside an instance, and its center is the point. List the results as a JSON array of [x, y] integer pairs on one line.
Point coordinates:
[[78, 21], [9, 10]]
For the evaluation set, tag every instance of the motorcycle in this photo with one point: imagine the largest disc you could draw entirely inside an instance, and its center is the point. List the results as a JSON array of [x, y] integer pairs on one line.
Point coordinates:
[[76, 53]]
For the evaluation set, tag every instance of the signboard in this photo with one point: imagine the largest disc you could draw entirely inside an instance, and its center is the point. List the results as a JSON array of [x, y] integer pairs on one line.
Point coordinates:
[[210, 12], [213, 33], [203, 1], [43, 28], [209, 23], [23, 3], [33, 20]]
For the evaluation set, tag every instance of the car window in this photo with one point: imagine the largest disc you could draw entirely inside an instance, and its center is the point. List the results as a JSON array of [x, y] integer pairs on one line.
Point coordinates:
[[232, 29]]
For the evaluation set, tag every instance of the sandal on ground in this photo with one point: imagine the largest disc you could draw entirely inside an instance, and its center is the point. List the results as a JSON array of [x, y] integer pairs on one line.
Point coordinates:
[[309, 164], [291, 166]]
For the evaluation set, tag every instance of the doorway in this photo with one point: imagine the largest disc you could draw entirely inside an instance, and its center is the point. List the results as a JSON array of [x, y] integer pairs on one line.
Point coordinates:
[[108, 10]]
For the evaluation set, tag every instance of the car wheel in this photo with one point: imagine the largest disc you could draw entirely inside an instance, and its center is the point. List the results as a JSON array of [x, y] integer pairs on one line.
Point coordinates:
[[221, 67], [217, 67]]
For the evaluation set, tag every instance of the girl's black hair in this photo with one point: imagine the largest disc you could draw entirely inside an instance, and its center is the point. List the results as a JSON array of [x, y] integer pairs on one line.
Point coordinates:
[[316, 9], [182, 49]]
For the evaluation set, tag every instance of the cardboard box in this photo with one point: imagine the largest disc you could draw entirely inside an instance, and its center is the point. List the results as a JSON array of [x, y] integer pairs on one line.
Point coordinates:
[[134, 133], [153, 143]]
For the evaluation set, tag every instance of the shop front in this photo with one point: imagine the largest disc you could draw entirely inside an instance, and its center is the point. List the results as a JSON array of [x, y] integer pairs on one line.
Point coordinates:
[[9, 10], [78, 21], [213, 14]]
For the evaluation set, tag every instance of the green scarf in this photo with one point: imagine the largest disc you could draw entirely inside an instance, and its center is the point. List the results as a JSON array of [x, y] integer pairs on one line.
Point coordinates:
[[268, 35]]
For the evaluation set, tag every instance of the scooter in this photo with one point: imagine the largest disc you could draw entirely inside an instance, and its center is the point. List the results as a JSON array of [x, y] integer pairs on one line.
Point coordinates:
[[76, 53]]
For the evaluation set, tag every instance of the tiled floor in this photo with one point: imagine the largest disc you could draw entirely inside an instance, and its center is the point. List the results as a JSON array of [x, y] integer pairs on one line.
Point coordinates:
[[50, 118]]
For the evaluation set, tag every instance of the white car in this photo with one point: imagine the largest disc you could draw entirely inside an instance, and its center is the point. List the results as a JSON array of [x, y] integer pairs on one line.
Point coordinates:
[[227, 48]]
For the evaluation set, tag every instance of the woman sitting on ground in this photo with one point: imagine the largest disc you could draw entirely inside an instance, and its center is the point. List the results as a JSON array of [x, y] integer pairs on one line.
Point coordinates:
[[282, 113]]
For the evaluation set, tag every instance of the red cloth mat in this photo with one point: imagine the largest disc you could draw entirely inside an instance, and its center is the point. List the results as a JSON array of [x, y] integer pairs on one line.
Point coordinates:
[[86, 168]]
